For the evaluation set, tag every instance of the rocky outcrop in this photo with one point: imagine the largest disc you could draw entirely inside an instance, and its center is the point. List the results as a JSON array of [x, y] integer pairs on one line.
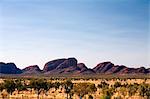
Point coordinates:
[[84, 70], [142, 70], [34, 69], [70, 62], [82, 67], [71, 66], [116, 69], [52, 64], [61, 66], [103, 67], [9, 68], [110, 68], [66, 66]]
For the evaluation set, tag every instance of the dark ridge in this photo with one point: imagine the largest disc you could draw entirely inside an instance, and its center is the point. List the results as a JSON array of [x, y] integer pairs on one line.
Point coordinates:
[[70, 66]]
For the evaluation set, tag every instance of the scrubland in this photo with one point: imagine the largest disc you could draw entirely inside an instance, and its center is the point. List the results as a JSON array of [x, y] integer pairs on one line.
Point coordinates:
[[74, 88]]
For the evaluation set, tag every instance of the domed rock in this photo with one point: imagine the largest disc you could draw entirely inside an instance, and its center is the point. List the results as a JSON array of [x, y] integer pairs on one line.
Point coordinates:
[[34, 69], [9, 68], [51, 65], [67, 63], [103, 67]]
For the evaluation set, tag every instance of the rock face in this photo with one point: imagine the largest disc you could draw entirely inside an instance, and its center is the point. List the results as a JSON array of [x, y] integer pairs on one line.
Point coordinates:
[[142, 70], [70, 62], [60, 64], [65, 66], [84, 70], [34, 69], [72, 67], [82, 67], [52, 64], [9, 68], [103, 67], [116, 69], [110, 68]]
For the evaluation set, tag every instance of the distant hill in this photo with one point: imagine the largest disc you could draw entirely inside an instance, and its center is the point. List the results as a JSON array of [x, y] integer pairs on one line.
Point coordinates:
[[34, 69], [70, 66], [66, 66], [9, 68], [110, 68]]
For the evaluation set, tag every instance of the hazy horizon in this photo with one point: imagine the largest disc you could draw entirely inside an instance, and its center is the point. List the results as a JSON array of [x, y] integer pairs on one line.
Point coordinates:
[[33, 32]]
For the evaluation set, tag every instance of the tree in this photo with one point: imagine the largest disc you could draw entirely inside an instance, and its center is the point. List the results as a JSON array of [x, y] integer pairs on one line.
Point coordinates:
[[56, 85], [148, 91], [103, 85], [10, 86], [107, 92], [144, 90], [81, 89], [68, 88], [123, 91], [132, 89], [48, 86], [19, 85], [117, 84], [91, 88], [39, 85], [1, 87]]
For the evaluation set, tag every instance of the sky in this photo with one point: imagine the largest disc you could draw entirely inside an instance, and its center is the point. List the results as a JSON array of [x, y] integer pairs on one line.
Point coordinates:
[[93, 31]]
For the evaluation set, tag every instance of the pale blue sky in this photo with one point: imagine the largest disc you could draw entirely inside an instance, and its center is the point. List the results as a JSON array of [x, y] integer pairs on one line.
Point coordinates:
[[93, 31]]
